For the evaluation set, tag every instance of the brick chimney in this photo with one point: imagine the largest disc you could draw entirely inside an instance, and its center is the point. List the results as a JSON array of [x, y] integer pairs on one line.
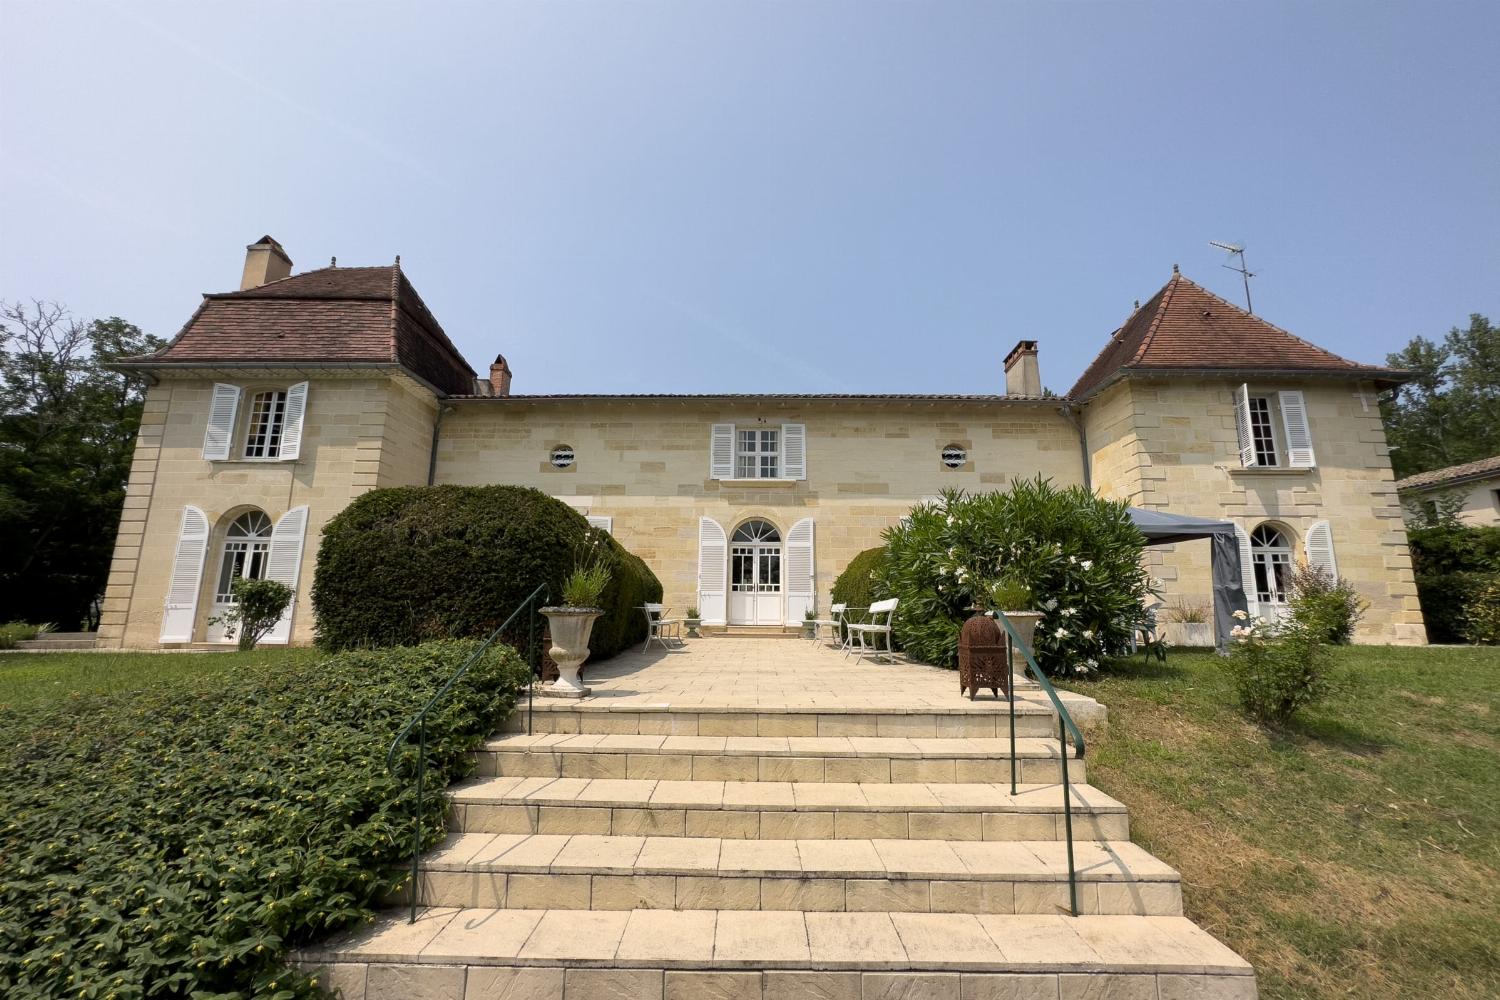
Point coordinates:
[[500, 376], [1023, 377], [265, 261]]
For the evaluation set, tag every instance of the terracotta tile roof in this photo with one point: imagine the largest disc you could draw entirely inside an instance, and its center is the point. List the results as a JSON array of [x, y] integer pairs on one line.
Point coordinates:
[[911, 397], [1184, 326], [1481, 469], [336, 314]]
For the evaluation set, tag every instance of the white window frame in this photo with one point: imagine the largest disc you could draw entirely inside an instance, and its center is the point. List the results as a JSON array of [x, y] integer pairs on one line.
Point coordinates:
[[1273, 429], [1263, 436], [762, 460], [272, 421], [1278, 592]]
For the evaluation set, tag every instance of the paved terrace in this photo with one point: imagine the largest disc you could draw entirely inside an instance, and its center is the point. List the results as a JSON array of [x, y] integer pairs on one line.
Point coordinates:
[[738, 674]]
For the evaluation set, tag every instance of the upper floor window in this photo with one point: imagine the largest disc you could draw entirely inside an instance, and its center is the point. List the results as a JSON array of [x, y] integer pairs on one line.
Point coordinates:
[[267, 420], [757, 451], [272, 428], [758, 455], [1273, 429]]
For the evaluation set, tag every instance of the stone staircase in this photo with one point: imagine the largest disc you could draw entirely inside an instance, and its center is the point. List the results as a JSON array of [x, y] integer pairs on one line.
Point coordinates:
[[58, 642], [672, 852]]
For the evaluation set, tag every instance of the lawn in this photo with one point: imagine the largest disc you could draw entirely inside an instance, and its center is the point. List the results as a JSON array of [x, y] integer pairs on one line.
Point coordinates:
[[1354, 854], [34, 678]]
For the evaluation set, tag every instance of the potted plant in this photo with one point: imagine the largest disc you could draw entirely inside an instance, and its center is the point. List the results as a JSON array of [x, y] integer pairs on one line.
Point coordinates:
[[810, 624], [1188, 625], [571, 623], [1014, 599], [692, 622]]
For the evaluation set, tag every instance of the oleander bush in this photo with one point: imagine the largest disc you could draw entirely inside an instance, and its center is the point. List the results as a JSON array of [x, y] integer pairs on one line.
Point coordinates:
[[1281, 667], [408, 564], [1078, 554], [178, 840], [1329, 606]]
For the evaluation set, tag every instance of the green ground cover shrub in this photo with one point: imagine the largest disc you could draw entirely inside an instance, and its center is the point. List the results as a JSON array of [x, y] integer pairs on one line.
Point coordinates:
[[177, 840], [1079, 555], [405, 565], [12, 633]]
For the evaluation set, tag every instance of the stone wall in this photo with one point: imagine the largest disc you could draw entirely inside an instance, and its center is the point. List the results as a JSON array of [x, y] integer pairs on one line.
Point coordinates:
[[359, 433], [646, 465]]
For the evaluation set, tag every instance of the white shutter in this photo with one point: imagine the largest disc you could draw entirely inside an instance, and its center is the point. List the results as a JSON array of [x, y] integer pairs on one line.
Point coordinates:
[[291, 426], [187, 573], [721, 452], [1242, 422], [1318, 547], [1247, 571], [1298, 437], [284, 565], [606, 524], [713, 563], [794, 452], [226, 400], [799, 571]]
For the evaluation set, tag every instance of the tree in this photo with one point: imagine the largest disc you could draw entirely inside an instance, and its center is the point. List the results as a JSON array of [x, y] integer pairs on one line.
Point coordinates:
[[67, 434], [1449, 413]]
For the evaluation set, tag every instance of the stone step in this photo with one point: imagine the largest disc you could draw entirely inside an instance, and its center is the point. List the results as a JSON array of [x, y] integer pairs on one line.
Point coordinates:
[[775, 810], [870, 759], [583, 872], [57, 641], [984, 719], [466, 954]]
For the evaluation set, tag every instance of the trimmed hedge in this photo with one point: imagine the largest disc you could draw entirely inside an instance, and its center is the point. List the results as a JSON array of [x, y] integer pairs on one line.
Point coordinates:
[[1454, 565], [178, 840], [858, 585], [409, 564]]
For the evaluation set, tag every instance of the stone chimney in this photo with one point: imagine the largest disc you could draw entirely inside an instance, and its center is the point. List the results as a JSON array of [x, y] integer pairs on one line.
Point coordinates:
[[265, 261], [500, 376], [1023, 377]]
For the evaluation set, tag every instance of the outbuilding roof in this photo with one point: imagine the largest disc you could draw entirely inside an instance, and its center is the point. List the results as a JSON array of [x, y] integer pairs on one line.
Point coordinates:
[[1186, 328], [368, 315], [1483, 468]]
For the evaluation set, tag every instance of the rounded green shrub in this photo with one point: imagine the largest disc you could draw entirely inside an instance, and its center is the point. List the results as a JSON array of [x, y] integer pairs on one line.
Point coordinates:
[[859, 584], [1078, 553], [404, 565]]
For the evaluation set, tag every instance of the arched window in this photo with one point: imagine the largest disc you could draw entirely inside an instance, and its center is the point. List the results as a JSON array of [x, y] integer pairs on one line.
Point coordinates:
[[1271, 553], [756, 531], [247, 544]]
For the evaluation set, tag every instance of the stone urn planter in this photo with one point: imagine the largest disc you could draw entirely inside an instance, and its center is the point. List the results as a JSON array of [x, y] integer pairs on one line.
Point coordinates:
[[1025, 623], [809, 628], [570, 628], [692, 622]]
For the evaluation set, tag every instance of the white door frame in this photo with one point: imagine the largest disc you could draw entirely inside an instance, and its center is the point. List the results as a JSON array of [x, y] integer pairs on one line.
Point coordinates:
[[763, 554]]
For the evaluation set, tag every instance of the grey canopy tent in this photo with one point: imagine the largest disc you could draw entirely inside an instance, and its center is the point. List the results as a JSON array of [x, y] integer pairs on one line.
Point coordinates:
[[1164, 528]]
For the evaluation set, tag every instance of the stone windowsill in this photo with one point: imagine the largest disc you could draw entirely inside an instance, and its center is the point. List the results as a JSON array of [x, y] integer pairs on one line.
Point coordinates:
[[756, 484], [1278, 471]]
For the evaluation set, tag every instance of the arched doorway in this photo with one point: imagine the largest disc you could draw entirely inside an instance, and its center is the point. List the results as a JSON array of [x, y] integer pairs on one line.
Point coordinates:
[[244, 553], [755, 574], [1271, 556]]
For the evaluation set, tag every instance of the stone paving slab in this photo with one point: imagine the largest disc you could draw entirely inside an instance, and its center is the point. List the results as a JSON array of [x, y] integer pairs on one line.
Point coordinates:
[[774, 746], [762, 940]]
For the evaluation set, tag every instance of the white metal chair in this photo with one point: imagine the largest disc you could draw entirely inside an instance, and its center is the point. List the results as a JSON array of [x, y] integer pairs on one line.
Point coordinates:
[[660, 628], [837, 610], [866, 635]]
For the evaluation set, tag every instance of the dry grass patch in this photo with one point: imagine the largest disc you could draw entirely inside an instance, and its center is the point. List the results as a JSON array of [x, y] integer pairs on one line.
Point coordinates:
[[1355, 854]]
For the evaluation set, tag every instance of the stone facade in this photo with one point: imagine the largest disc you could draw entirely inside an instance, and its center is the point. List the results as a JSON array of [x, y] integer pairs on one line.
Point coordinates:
[[1172, 444], [390, 402]]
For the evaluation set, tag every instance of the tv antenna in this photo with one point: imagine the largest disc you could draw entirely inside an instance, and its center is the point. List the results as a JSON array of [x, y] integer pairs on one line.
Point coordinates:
[[1243, 271]]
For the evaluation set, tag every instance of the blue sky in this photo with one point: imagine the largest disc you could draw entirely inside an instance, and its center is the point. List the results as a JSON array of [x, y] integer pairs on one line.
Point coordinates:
[[704, 196]]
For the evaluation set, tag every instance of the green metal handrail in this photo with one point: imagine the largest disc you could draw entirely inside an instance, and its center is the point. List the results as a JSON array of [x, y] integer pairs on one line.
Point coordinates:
[[1065, 725], [419, 723]]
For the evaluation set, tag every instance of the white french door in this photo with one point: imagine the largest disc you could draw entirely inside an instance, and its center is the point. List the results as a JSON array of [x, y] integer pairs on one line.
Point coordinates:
[[755, 595], [247, 546]]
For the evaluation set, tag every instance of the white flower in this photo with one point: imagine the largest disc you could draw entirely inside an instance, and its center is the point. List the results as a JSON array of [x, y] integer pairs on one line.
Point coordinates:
[[942, 571], [1241, 615], [1069, 611], [1087, 564], [1088, 633], [951, 520], [1061, 633], [1072, 559], [1091, 662], [1260, 621], [1049, 604]]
